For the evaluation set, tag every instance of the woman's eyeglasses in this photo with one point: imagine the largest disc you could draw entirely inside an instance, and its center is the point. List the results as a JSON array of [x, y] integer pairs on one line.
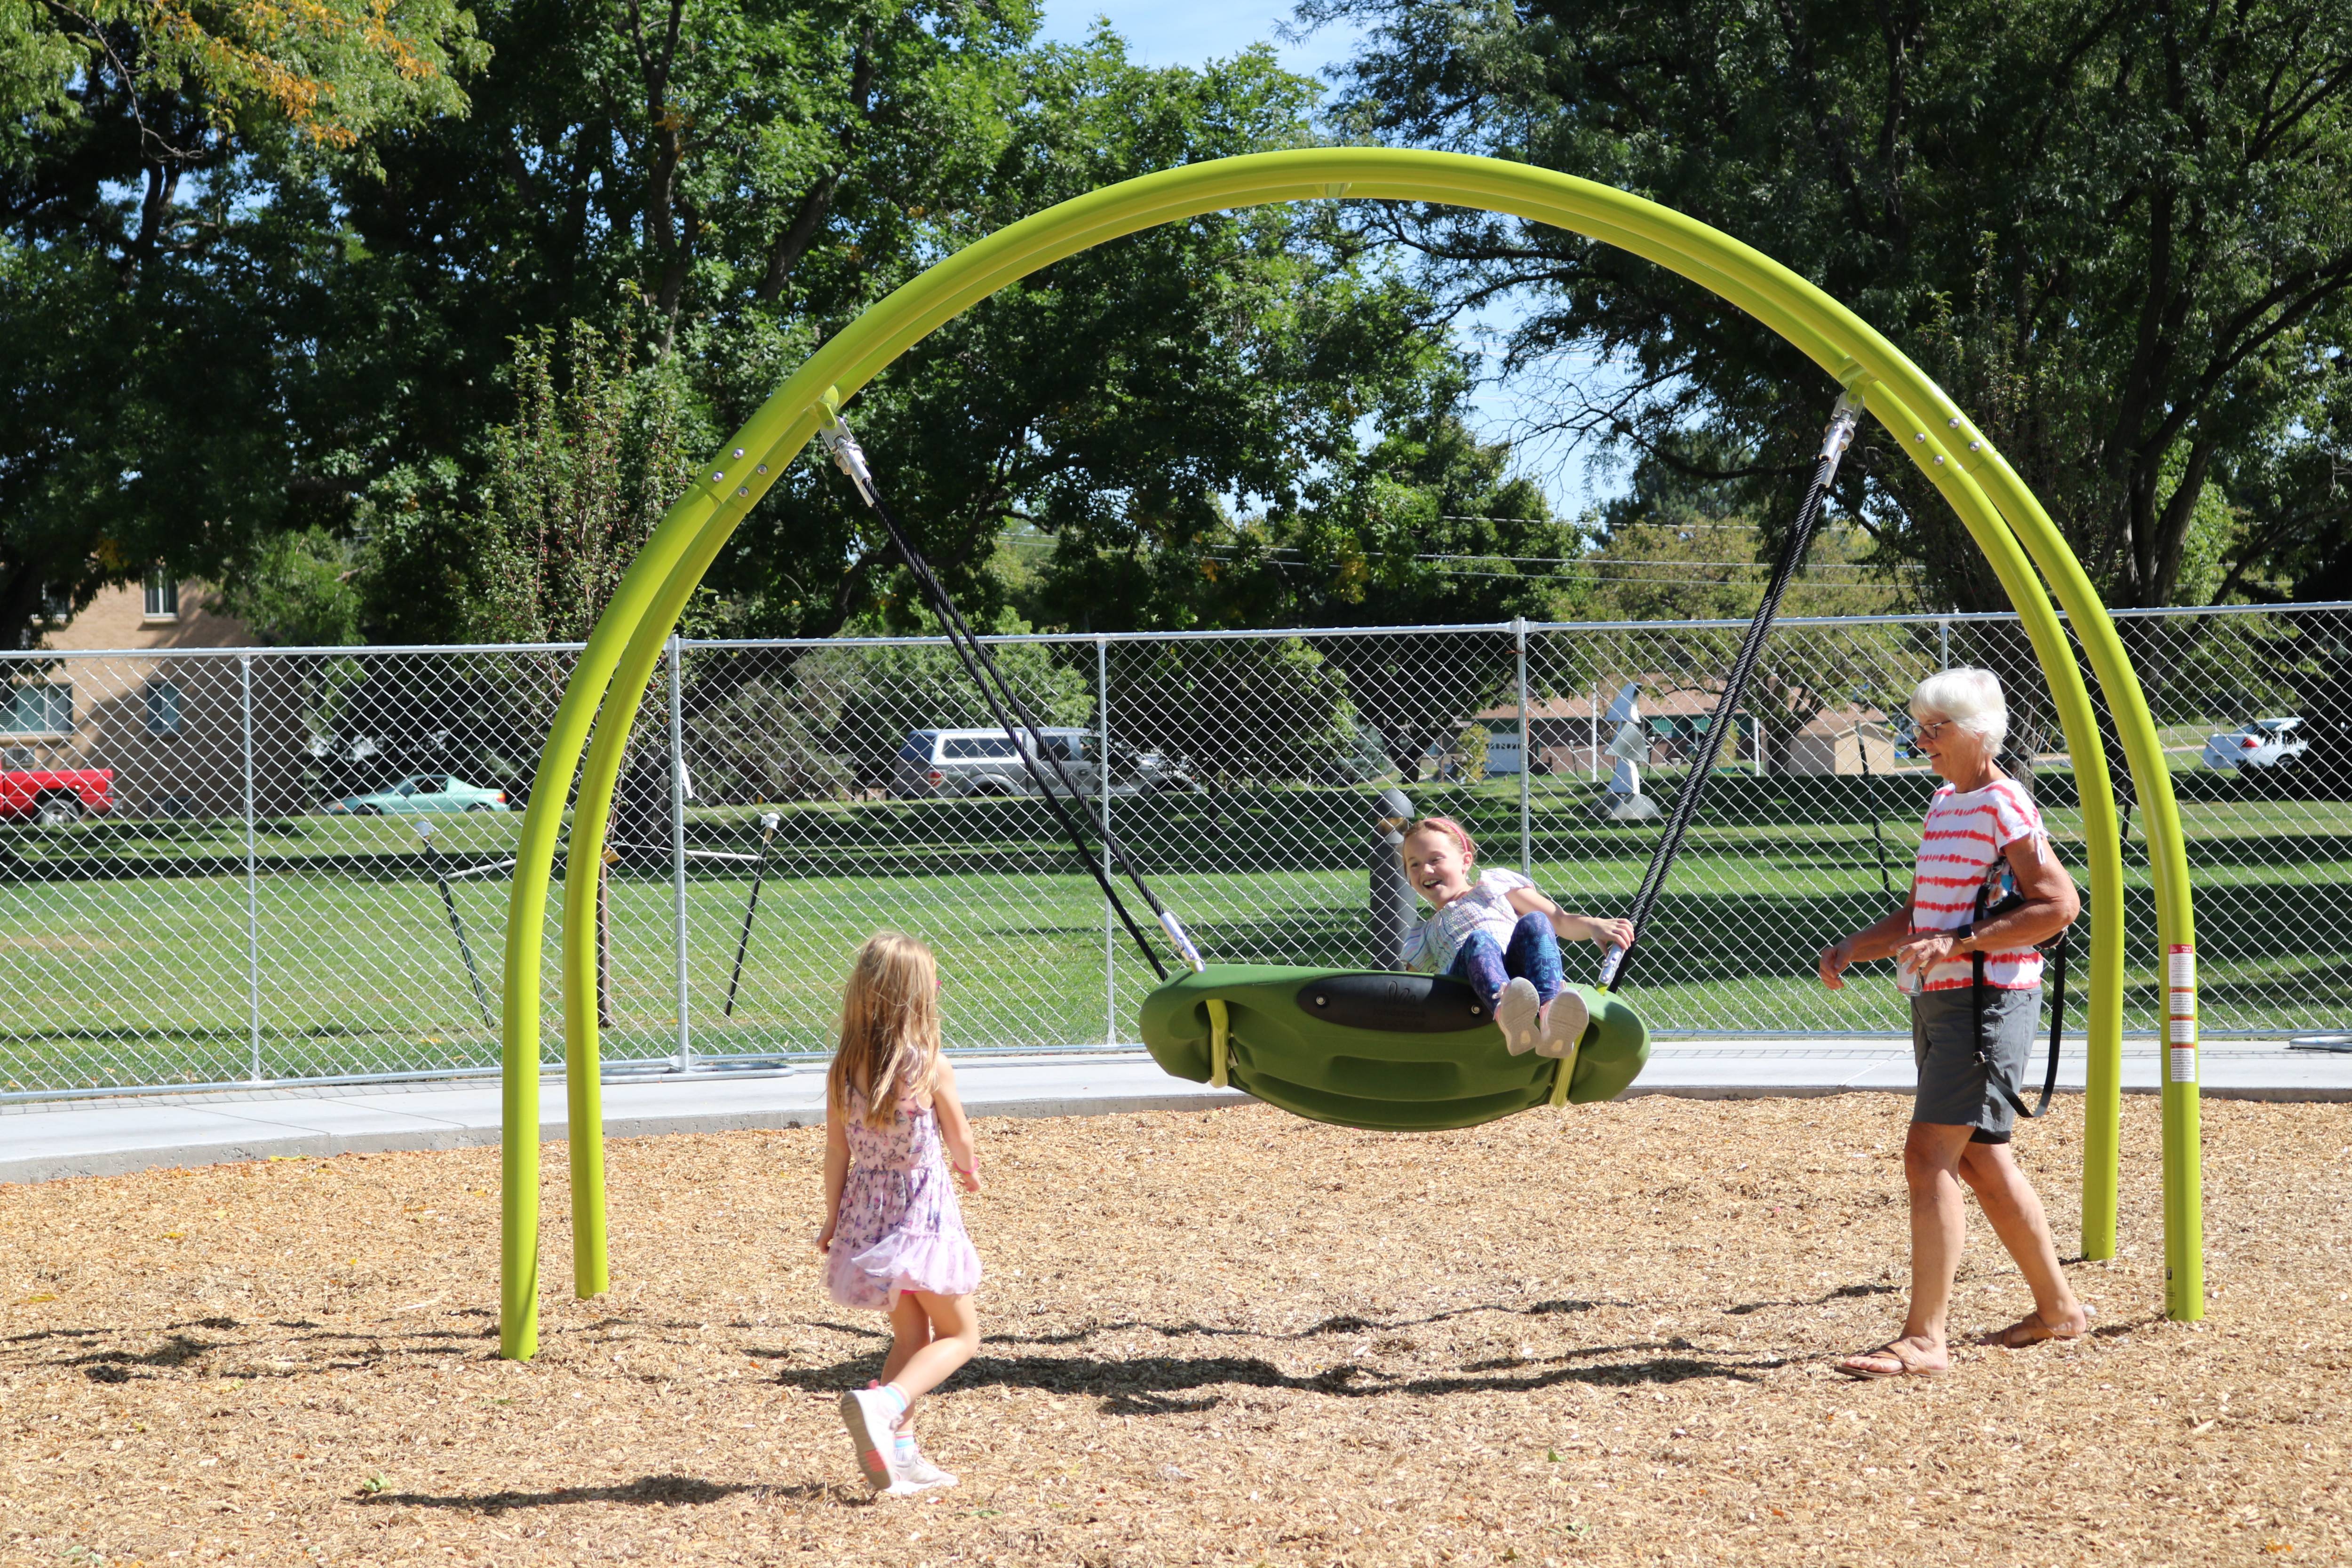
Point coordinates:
[[1931, 732]]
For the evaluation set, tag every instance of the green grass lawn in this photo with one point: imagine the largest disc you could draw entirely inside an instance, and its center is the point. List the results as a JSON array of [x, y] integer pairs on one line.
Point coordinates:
[[142, 978]]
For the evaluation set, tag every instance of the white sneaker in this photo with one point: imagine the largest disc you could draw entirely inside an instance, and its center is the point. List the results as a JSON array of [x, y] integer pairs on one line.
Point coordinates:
[[1564, 1025], [869, 1414], [917, 1474], [1518, 1014]]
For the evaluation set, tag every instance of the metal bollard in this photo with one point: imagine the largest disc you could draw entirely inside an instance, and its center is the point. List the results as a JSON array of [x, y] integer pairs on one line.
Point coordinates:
[[1392, 909]]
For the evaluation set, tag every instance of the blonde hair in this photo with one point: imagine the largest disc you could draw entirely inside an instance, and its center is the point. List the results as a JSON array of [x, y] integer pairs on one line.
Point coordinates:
[[889, 1048], [1450, 828], [1969, 697]]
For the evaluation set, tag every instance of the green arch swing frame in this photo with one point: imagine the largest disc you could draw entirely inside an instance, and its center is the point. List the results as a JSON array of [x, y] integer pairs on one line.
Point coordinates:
[[2008, 523]]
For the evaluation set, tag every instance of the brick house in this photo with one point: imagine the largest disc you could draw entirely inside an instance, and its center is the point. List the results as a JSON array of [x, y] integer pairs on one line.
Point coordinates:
[[1571, 734], [111, 689]]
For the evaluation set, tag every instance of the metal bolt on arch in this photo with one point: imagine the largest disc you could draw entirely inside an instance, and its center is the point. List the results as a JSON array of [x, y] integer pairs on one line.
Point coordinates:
[[2018, 537]]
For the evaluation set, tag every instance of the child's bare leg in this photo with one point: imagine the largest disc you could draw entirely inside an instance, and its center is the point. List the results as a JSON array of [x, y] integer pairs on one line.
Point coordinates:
[[952, 1328], [910, 1331]]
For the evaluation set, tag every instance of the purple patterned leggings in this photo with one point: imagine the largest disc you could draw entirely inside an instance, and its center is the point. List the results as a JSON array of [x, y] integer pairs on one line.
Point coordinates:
[[1533, 954]]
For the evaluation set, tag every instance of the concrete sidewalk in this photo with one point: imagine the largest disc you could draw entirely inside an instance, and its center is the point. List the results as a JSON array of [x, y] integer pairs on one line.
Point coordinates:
[[40, 1141]]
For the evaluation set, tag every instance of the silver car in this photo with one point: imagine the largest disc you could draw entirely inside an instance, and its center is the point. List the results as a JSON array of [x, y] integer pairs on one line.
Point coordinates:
[[2264, 743], [960, 763]]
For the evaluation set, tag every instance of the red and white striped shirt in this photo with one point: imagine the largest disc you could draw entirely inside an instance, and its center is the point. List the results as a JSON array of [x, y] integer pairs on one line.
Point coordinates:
[[1964, 835]]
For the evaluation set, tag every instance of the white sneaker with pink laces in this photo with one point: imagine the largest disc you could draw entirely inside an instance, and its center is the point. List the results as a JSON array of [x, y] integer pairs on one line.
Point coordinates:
[[872, 1414], [1563, 1025], [916, 1472], [1517, 1015]]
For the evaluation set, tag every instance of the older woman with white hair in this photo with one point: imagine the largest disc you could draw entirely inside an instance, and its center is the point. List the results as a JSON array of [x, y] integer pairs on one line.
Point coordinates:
[[1982, 849]]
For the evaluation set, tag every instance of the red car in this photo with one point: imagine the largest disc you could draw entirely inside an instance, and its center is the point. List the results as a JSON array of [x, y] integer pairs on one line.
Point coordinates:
[[55, 796]]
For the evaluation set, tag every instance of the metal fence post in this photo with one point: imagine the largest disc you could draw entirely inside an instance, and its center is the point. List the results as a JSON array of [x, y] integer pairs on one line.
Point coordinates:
[[252, 885], [1526, 755], [1943, 644], [677, 846], [1592, 736], [1102, 770]]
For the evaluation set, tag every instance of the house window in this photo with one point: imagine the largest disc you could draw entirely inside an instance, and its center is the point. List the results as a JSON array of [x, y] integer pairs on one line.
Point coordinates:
[[162, 596], [41, 709], [163, 708]]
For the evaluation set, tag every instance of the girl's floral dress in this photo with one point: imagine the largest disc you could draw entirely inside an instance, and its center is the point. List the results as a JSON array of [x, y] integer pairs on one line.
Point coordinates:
[[900, 1227]]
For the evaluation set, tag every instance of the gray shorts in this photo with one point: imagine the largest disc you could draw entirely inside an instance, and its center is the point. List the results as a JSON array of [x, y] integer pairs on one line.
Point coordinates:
[[1953, 1091]]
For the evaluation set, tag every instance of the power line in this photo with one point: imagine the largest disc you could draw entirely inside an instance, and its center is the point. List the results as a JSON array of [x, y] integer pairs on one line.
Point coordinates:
[[1744, 565], [1286, 554], [1597, 582], [1640, 522], [1675, 581]]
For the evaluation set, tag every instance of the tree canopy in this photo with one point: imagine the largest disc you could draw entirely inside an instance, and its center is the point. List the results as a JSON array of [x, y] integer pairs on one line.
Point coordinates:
[[343, 305], [159, 293], [2121, 235], [357, 346]]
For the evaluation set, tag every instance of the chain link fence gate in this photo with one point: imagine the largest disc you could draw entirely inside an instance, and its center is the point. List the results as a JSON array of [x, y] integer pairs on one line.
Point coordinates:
[[252, 866]]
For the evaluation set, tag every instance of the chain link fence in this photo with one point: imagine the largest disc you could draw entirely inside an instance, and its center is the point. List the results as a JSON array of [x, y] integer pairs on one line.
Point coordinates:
[[230, 866]]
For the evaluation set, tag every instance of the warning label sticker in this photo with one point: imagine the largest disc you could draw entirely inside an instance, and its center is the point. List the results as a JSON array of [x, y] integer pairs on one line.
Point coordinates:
[[2184, 1031], [2184, 1064], [2181, 969]]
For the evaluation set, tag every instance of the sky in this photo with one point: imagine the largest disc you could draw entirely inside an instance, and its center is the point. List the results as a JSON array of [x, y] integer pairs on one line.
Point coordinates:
[[1161, 34], [1194, 32]]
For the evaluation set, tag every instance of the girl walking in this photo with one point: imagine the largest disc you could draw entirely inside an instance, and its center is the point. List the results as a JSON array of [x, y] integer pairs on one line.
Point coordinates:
[[894, 1239]]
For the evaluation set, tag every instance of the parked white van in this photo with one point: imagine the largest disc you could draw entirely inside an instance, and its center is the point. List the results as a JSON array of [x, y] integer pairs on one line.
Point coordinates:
[[962, 763]]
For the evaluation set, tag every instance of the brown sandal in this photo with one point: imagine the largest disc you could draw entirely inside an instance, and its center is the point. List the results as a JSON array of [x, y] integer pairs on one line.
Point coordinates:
[[1905, 1364], [2030, 1329]]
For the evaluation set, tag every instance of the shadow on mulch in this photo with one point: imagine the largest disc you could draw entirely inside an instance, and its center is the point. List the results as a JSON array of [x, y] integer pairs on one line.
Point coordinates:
[[178, 1350], [1345, 1324], [114, 1366], [1140, 1385], [1842, 1293], [665, 1492]]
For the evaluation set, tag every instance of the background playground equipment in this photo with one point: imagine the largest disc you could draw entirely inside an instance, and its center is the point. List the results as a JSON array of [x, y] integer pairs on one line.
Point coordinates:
[[768, 821], [2007, 522], [457, 920]]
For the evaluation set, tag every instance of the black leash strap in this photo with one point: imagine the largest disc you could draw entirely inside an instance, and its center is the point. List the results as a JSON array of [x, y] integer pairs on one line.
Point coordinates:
[[2057, 948], [999, 694], [1735, 684], [2057, 1017]]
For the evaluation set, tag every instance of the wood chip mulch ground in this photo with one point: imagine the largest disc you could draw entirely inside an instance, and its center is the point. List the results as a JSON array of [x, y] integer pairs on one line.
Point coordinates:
[[1592, 1336]]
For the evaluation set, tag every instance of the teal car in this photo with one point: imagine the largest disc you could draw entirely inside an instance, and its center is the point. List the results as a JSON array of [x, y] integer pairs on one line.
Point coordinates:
[[420, 792]]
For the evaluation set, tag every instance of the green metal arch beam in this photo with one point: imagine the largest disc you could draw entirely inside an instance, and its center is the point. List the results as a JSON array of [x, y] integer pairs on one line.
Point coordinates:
[[627, 643]]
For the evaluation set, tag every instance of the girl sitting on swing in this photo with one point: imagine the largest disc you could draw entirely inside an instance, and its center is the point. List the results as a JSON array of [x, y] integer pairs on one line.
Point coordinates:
[[1500, 934]]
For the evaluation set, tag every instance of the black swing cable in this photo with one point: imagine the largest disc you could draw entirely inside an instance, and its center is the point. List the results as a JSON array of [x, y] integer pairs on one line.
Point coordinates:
[[976, 658], [1735, 684]]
